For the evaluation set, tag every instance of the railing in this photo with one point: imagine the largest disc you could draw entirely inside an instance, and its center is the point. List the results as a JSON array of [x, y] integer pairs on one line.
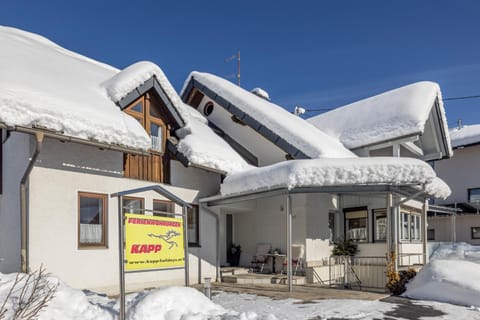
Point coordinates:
[[358, 272], [410, 259]]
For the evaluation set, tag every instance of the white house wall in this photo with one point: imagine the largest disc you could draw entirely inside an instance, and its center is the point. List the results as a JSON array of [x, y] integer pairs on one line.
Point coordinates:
[[64, 169], [16, 152], [318, 245], [460, 172], [266, 152]]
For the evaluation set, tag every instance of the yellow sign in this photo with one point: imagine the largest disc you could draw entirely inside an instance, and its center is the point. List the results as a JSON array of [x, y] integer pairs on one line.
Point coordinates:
[[153, 242]]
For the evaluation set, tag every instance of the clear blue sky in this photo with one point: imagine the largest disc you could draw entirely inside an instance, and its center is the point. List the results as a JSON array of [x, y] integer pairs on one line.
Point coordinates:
[[315, 54]]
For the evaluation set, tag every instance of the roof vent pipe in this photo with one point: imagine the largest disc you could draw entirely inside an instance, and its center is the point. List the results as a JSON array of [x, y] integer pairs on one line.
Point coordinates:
[[459, 124]]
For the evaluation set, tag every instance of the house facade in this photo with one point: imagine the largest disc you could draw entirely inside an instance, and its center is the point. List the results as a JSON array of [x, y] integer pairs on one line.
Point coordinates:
[[380, 220], [463, 223]]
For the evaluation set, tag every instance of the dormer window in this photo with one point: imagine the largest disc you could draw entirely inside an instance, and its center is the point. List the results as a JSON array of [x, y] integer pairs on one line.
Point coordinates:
[[151, 112], [151, 120]]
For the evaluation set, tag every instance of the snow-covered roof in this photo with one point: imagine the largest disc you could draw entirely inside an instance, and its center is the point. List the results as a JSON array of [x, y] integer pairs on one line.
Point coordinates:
[[45, 85], [337, 172], [388, 116], [204, 148], [261, 93], [465, 135], [274, 122]]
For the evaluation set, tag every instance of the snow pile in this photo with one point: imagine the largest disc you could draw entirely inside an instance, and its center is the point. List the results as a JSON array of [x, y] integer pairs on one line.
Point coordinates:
[[336, 172], [392, 114], [204, 148], [169, 303], [465, 135], [173, 303], [67, 303], [261, 93], [296, 131], [452, 275], [45, 85]]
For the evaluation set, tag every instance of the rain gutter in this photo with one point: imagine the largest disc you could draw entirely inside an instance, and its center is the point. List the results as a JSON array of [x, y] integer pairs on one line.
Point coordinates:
[[24, 256]]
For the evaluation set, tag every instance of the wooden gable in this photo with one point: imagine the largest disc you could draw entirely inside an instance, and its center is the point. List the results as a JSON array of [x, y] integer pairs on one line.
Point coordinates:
[[151, 112]]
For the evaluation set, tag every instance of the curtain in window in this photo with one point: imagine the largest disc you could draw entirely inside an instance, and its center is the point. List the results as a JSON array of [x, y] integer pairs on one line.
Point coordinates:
[[90, 233]]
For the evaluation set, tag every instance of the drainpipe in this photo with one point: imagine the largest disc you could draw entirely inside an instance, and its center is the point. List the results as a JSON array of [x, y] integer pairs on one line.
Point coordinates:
[[217, 244], [23, 203]]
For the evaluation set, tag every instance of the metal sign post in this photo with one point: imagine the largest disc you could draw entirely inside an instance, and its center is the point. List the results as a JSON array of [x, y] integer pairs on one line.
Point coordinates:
[[121, 236], [121, 258]]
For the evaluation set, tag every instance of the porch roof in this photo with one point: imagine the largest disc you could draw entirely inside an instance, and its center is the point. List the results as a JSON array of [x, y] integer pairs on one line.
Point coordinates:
[[406, 177], [354, 173]]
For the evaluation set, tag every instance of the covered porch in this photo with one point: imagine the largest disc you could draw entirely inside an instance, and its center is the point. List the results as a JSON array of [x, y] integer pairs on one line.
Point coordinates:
[[379, 219]]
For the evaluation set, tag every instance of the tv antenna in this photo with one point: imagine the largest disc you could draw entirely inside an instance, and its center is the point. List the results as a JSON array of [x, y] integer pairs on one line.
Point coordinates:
[[237, 57]]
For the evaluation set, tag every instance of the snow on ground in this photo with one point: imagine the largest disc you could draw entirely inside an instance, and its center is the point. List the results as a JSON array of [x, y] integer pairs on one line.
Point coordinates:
[[452, 275], [180, 303], [393, 114], [336, 172], [296, 131], [465, 135]]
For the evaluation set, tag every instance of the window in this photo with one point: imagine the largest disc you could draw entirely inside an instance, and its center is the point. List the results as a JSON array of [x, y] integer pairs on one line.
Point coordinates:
[[132, 205], [156, 135], [404, 223], [193, 226], [356, 224], [415, 227], [475, 231], [163, 208], [410, 225], [474, 195], [208, 109], [152, 113], [431, 234], [380, 225], [92, 219]]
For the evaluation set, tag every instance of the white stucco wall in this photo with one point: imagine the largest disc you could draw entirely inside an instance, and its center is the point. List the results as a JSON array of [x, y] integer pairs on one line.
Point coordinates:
[[53, 232], [64, 169], [460, 173], [16, 153], [266, 152]]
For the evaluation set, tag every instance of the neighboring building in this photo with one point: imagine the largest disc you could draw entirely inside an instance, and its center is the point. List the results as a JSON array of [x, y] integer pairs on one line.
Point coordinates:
[[464, 179], [330, 194]]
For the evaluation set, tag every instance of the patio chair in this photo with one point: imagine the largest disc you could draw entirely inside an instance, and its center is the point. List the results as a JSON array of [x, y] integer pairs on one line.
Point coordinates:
[[260, 258], [298, 251]]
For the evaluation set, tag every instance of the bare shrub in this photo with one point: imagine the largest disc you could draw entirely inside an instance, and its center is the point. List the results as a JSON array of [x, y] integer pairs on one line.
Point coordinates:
[[28, 295]]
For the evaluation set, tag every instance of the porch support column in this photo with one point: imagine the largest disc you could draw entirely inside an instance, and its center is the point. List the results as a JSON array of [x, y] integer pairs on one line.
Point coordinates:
[[454, 225], [389, 223], [289, 241], [424, 232]]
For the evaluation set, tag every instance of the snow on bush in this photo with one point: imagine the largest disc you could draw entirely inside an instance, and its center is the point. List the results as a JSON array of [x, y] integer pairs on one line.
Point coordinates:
[[453, 276]]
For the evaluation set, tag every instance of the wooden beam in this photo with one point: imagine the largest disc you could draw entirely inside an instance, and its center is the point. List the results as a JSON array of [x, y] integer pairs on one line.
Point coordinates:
[[413, 148]]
